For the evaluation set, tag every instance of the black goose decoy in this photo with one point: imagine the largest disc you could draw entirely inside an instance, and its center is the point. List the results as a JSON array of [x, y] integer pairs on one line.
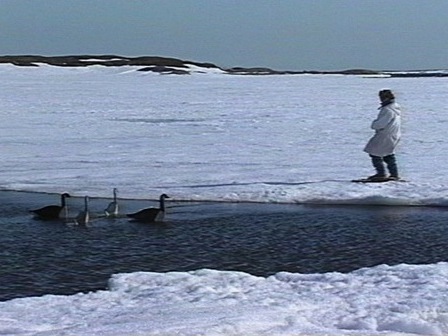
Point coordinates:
[[112, 208], [83, 216], [151, 215], [50, 212]]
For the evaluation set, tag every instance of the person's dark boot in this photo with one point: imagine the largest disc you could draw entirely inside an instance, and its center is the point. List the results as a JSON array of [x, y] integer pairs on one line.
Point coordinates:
[[378, 164], [392, 166], [378, 177]]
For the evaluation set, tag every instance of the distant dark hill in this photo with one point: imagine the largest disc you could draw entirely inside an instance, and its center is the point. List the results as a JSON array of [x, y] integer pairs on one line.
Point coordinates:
[[105, 60], [153, 63], [168, 65]]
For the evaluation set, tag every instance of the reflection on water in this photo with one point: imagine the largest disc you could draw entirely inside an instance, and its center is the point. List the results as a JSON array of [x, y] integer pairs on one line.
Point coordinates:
[[45, 257]]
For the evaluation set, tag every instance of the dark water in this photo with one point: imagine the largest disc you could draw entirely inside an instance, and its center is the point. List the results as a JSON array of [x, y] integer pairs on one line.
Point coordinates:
[[39, 257]]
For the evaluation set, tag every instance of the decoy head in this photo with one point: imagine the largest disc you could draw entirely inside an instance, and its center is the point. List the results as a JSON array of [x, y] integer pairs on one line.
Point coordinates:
[[65, 195], [163, 196]]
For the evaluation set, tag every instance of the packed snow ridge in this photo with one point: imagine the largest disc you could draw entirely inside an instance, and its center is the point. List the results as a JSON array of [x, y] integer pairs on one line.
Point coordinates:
[[168, 65]]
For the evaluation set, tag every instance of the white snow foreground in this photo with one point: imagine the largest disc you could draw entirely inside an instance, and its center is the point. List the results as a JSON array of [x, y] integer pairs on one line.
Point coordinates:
[[380, 300]]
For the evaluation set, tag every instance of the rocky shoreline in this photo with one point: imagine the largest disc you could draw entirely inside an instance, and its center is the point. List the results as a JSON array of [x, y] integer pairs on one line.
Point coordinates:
[[167, 65]]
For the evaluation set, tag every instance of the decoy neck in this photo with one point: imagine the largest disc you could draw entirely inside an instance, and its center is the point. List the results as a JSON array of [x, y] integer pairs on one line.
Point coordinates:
[[83, 216], [162, 201], [112, 208], [63, 197]]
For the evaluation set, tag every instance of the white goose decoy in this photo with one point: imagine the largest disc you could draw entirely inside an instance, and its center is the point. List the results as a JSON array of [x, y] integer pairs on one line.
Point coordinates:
[[151, 215], [83, 216], [112, 208], [52, 212]]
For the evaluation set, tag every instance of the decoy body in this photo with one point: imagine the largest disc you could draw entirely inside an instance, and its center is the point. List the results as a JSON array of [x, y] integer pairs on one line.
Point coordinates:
[[112, 208], [83, 216], [151, 215], [52, 212]]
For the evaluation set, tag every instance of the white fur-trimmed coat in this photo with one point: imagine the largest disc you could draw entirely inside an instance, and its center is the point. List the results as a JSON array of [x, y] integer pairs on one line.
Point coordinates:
[[387, 128]]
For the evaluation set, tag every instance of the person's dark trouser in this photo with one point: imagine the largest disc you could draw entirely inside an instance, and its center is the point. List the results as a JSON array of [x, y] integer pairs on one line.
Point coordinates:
[[378, 163]]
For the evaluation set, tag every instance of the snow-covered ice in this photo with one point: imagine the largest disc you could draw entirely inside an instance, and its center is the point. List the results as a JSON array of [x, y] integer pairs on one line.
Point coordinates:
[[290, 139], [211, 136], [380, 300]]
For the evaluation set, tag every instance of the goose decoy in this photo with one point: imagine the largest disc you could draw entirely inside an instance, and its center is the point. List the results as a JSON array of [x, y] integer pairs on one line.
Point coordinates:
[[83, 216], [52, 212], [112, 208], [151, 215]]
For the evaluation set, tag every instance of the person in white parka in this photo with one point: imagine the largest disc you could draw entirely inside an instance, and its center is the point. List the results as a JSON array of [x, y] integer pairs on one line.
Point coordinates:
[[381, 147]]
